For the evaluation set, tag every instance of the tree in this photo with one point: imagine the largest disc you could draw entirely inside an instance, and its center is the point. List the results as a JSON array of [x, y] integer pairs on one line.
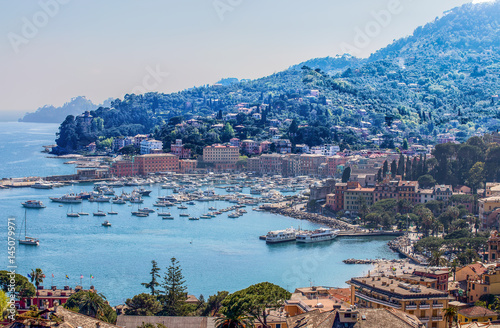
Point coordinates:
[[214, 303], [143, 304], [476, 176], [174, 290], [401, 165], [233, 318], [449, 315], [426, 181], [4, 301], [23, 287], [154, 275], [255, 301], [36, 277], [227, 133], [385, 168], [93, 304], [346, 175], [394, 168], [405, 144]]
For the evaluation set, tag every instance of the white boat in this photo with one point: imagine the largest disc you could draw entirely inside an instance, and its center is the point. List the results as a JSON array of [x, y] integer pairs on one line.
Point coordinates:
[[30, 241], [164, 214], [106, 224], [42, 185], [146, 210], [69, 198], [99, 213], [137, 200], [118, 200], [112, 212], [140, 214], [33, 204], [321, 234], [183, 214], [280, 236], [72, 214], [182, 207], [100, 199], [193, 218]]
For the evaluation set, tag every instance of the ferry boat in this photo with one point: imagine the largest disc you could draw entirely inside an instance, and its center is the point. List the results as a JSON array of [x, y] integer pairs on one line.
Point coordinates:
[[33, 204], [321, 234], [280, 236], [69, 198]]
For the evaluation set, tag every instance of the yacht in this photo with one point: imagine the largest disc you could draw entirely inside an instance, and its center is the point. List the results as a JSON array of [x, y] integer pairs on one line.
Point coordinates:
[[146, 210], [137, 200], [118, 200], [140, 214], [106, 224], [42, 185], [280, 236], [33, 204], [144, 192], [100, 199], [99, 213], [321, 234], [31, 241], [164, 214], [69, 198]]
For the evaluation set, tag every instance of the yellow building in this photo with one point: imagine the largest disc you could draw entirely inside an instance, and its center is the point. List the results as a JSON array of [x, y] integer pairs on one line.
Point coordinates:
[[476, 314], [425, 303], [224, 157], [486, 207], [352, 198], [488, 283]]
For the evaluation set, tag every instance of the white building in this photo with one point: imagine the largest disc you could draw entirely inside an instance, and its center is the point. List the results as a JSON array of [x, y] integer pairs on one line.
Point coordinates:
[[151, 146], [326, 150]]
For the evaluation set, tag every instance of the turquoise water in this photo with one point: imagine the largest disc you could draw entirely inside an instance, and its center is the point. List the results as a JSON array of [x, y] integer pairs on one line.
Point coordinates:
[[216, 254]]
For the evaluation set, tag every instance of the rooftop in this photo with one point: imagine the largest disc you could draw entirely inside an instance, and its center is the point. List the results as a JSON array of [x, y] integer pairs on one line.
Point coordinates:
[[477, 311]]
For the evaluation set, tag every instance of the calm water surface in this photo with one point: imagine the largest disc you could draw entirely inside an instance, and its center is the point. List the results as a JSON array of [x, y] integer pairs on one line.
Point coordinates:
[[217, 254]]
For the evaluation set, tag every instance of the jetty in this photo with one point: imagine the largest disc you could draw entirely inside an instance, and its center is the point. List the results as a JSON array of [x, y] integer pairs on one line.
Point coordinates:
[[375, 261]]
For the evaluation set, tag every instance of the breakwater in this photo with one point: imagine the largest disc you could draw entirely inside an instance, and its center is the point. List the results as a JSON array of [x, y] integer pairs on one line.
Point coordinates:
[[357, 261], [311, 217]]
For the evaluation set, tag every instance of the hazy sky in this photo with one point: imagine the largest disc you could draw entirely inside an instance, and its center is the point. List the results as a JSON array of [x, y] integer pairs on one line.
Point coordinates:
[[52, 50]]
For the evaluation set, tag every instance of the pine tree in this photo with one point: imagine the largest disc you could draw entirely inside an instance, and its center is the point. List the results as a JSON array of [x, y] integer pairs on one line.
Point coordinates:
[[154, 275], [424, 165], [174, 290], [379, 175], [414, 168], [346, 175]]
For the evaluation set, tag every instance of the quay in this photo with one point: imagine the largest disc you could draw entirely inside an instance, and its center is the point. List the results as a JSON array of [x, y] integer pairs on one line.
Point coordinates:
[[356, 261], [403, 245]]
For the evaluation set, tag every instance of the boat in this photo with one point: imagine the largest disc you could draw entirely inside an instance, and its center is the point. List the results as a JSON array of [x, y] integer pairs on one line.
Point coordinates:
[[137, 200], [69, 198], [182, 207], [280, 236], [164, 214], [118, 200], [144, 192], [42, 185], [211, 208], [33, 204], [72, 214], [191, 203], [140, 214], [112, 212], [100, 199], [30, 241], [106, 224], [193, 218], [99, 213], [321, 234], [146, 210], [205, 216], [183, 214]]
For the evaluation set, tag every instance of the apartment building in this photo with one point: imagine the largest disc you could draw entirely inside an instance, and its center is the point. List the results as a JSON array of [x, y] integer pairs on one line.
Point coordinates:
[[224, 157]]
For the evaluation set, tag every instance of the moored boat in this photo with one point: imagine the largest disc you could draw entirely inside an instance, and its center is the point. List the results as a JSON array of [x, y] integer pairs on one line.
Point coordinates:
[[321, 234], [280, 236], [33, 204]]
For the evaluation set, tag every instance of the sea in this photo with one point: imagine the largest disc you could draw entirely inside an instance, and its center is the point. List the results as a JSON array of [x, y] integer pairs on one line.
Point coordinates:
[[215, 254]]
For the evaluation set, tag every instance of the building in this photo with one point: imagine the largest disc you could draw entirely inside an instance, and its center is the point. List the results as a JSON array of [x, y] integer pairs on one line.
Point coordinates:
[[223, 157], [123, 168], [139, 138], [235, 142], [283, 146], [443, 192], [151, 146], [250, 147], [353, 198], [408, 190], [271, 164], [340, 189], [441, 276], [470, 272], [309, 164], [178, 150], [154, 163], [187, 165], [425, 303], [476, 314], [488, 283], [493, 246], [48, 297], [489, 211]]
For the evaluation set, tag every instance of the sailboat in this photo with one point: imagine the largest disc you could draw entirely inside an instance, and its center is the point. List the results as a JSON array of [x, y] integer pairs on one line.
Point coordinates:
[[82, 212], [72, 214], [112, 212], [28, 240], [99, 212]]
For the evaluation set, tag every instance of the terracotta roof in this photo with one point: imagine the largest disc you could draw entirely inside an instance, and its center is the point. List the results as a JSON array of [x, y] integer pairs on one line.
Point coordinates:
[[477, 311], [134, 321]]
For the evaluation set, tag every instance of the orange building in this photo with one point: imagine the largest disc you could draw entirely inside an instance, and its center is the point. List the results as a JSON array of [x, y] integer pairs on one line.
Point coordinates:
[[153, 163]]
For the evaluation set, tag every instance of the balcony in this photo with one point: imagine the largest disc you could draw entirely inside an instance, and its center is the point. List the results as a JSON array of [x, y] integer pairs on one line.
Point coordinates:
[[411, 307], [437, 318], [375, 300], [424, 319], [424, 306], [438, 306]]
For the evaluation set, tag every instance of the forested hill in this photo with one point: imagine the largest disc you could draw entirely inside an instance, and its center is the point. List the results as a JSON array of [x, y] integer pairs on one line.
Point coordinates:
[[443, 78], [51, 114]]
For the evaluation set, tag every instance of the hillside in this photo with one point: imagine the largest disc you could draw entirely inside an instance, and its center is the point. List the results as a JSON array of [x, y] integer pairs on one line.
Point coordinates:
[[51, 114], [442, 79]]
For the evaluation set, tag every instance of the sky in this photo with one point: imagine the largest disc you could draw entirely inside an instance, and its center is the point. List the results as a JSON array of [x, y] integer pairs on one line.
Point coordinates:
[[53, 50]]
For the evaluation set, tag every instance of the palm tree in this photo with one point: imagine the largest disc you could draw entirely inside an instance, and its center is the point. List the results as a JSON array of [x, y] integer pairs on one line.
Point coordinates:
[[233, 320], [449, 314], [92, 304], [437, 259], [36, 277]]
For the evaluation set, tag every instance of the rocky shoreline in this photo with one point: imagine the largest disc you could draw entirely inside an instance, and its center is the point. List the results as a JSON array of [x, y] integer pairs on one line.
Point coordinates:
[[312, 217]]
